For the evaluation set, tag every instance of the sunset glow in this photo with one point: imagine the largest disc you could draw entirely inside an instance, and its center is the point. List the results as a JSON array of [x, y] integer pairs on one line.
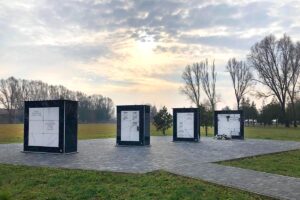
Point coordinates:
[[135, 51]]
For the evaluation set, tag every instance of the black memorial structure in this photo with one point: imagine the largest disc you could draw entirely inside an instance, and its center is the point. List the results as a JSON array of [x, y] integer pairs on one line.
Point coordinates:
[[229, 123], [186, 124], [50, 126], [133, 125]]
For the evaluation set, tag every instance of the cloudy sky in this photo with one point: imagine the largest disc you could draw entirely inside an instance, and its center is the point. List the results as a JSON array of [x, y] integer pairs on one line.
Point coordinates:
[[135, 51]]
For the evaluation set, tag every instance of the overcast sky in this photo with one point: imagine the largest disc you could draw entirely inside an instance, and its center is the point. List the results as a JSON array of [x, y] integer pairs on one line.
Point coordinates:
[[135, 51]]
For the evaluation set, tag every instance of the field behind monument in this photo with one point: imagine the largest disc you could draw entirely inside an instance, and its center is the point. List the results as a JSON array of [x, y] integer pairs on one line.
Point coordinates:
[[13, 133], [63, 183]]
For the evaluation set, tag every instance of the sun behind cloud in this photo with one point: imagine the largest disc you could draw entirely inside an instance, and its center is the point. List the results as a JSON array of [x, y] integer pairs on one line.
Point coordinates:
[[134, 51]]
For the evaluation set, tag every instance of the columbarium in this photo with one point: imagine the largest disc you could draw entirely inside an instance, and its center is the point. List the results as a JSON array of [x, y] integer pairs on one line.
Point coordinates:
[[229, 123], [133, 125], [50, 126], [186, 124]]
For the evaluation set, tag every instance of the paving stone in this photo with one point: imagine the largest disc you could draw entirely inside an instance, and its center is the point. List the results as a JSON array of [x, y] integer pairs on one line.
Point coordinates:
[[273, 185], [188, 159]]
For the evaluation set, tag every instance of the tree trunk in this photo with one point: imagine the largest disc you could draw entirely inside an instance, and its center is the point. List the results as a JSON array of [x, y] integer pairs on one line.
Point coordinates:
[[238, 103], [10, 116], [285, 118], [294, 114]]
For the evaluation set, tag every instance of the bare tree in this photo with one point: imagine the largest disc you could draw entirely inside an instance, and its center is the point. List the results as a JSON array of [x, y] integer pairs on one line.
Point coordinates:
[[13, 93], [272, 60], [241, 77], [153, 112], [54, 92], [23, 94], [191, 78], [196, 76], [38, 90], [208, 82], [9, 96], [292, 92]]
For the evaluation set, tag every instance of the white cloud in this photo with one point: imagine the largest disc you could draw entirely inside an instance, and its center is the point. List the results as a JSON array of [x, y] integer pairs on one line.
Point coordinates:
[[136, 47]]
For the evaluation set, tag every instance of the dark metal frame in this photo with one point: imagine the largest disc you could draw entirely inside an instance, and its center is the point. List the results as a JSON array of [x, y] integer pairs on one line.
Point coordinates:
[[144, 127], [67, 126], [241, 136], [196, 112]]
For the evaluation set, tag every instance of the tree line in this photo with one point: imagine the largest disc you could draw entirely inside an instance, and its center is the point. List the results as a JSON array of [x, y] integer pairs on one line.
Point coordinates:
[[272, 63], [269, 114], [13, 93]]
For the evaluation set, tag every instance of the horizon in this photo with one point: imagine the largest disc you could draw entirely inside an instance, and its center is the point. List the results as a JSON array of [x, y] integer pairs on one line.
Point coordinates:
[[135, 51]]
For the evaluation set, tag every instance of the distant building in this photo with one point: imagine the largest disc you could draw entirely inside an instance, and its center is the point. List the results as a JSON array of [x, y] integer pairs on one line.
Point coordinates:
[[250, 122]]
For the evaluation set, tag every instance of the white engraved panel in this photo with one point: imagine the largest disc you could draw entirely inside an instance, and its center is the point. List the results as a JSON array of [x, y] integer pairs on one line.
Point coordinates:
[[185, 125], [130, 124], [44, 127], [229, 124]]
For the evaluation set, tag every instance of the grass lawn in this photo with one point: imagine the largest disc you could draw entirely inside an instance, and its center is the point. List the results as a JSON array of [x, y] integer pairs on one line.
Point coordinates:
[[10, 133], [274, 133], [284, 163], [20, 182]]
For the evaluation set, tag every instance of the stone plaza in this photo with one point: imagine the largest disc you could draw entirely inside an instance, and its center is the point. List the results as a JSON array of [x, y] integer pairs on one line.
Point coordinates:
[[196, 160]]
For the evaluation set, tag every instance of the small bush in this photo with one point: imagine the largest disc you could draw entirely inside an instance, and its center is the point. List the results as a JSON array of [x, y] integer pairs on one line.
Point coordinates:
[[4, 195]]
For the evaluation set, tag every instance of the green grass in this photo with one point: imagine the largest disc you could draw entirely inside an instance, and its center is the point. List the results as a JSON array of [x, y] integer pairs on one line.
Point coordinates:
[[94, 131], [12, 133], [284, 163], [274, 133], [20, 182]]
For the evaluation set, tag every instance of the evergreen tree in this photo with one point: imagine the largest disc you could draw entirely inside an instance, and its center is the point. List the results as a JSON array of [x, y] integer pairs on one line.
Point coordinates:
[[163, 120]]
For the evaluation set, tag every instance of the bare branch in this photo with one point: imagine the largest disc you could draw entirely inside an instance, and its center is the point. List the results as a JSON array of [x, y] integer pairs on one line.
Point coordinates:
[[277, 64], [208, 82], [191, 88], [241, 77]]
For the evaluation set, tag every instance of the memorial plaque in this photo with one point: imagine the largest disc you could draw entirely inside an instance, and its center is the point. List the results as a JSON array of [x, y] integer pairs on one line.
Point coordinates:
[[186, 124], [43, 127], [50, 126], [130, 126], [133, 125], [229, 123]]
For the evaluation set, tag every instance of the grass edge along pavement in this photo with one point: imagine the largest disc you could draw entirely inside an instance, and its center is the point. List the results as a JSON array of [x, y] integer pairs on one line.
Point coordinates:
[[24, 182], [285, 163]]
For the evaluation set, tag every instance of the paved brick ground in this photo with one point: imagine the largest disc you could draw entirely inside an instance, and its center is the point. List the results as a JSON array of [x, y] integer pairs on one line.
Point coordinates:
[[189, 159], [277, 186]]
